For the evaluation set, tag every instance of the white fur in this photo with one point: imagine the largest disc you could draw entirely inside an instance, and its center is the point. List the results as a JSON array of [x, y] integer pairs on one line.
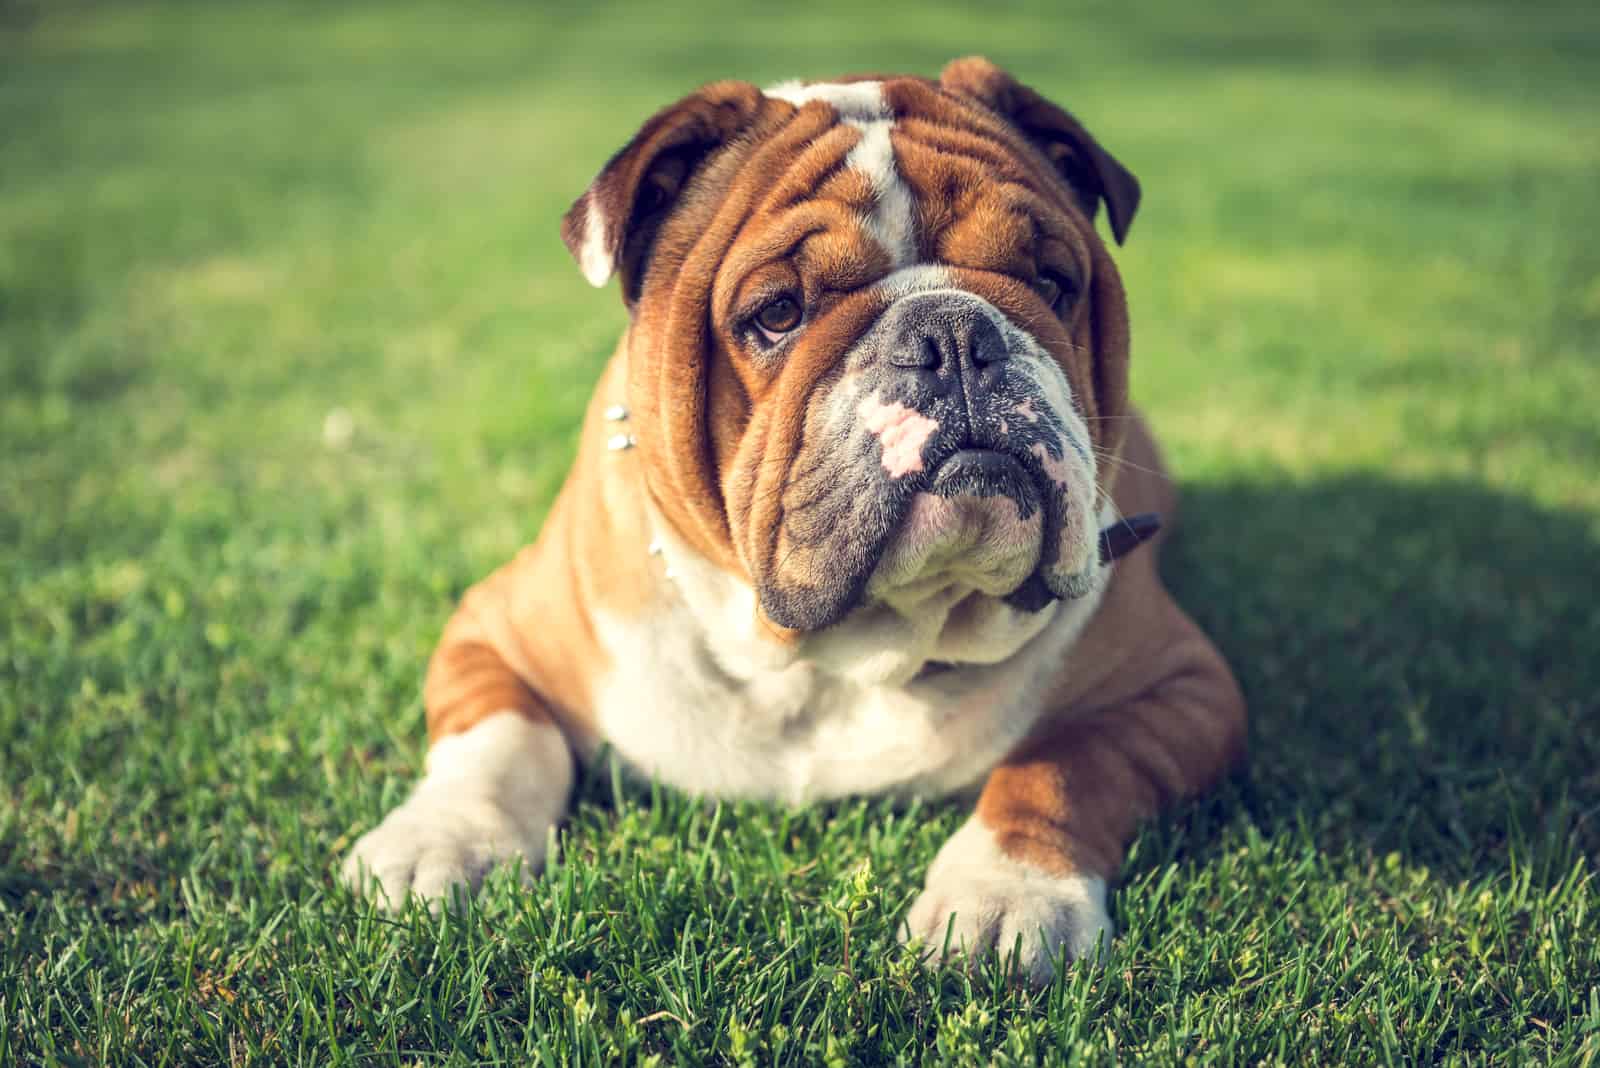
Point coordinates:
[[490, 794], [731, 712], [891, 222], [861, 104], [978, 901], [594, 259], [799, 734], [920, 278], [862, 101]]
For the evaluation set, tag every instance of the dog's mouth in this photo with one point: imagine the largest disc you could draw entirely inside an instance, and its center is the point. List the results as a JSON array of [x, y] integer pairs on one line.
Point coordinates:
[[1010, 522], [999, 514], [978, 520], [987, 473]]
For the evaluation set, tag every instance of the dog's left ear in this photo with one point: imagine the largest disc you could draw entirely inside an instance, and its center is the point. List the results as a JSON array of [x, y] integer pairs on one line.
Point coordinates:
[[1090, 170], [610, 228]]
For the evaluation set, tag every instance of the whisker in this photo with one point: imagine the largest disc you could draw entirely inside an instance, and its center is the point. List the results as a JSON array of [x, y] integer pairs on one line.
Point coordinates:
[[1113, 458], [1116, 512]]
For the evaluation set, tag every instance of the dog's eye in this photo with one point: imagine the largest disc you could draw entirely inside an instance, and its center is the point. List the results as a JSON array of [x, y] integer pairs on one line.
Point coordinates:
[[1058, 291], [778, 317]]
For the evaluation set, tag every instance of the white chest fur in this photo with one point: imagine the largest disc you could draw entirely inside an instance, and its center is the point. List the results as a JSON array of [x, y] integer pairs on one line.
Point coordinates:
[[709, 709]]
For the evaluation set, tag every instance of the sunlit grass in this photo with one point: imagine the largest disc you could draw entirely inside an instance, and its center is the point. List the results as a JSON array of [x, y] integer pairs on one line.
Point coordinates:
[[1366, 301]]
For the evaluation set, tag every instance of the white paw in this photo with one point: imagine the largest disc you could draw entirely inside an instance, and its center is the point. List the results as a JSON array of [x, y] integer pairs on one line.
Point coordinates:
[[430, 845], [978, 901], [491, 795]]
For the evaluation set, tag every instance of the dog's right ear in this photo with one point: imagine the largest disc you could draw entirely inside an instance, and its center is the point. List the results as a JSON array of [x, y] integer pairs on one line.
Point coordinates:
[[610, 228], [1092, 172]]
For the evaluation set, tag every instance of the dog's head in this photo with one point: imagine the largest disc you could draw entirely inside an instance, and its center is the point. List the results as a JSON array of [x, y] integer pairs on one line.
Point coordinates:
[[877, 348]]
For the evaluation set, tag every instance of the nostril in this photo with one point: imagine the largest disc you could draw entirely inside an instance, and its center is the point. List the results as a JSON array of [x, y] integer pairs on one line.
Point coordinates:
[[987, 344], [921, 352]]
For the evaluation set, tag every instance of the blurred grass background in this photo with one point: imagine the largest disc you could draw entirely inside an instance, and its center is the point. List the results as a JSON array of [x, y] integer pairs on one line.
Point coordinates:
[[290, 352]]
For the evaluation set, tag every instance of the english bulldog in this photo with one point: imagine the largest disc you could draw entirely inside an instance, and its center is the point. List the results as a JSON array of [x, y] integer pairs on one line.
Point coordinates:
[[845, 515]]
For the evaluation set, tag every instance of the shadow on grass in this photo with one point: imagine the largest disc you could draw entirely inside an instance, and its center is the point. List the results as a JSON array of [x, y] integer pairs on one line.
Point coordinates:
[[1420, 660]]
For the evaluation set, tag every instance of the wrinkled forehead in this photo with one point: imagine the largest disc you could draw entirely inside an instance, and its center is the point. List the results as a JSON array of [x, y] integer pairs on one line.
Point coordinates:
[[908, 174], [869, 178]]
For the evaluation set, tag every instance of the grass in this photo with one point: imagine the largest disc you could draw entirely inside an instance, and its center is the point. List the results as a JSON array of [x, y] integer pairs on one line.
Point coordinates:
[[1366, 298]]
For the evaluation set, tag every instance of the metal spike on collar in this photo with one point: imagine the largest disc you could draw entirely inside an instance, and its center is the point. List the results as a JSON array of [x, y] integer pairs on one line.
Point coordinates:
[[619, 442], [617, 413]]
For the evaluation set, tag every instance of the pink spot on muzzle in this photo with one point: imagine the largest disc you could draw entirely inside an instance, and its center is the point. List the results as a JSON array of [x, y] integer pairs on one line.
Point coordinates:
[[1057, 470], [900, 430]]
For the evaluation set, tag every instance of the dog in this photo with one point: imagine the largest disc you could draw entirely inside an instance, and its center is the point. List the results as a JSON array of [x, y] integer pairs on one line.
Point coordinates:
[[846, 514]]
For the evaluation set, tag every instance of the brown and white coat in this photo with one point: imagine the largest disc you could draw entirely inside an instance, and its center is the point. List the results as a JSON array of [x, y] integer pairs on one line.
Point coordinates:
[[832, 528]]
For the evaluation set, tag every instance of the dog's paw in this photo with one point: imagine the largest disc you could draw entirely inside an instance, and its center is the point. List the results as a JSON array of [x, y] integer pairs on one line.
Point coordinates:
[[978, 901], [432, 845], [492, 795]]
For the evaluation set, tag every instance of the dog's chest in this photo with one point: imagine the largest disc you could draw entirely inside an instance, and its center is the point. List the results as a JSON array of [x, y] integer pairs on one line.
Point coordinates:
[[795, 735]]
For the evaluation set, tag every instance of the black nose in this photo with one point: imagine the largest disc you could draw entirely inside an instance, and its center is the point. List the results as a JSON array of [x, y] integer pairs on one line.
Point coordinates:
[[929, 332]]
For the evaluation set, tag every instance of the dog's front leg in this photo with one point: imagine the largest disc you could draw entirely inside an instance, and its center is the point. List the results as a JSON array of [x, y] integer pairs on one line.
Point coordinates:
[[499, 772], [1027, 873]]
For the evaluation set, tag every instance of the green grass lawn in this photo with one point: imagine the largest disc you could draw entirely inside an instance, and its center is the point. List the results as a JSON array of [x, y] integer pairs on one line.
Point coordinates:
[[1365, 285]]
